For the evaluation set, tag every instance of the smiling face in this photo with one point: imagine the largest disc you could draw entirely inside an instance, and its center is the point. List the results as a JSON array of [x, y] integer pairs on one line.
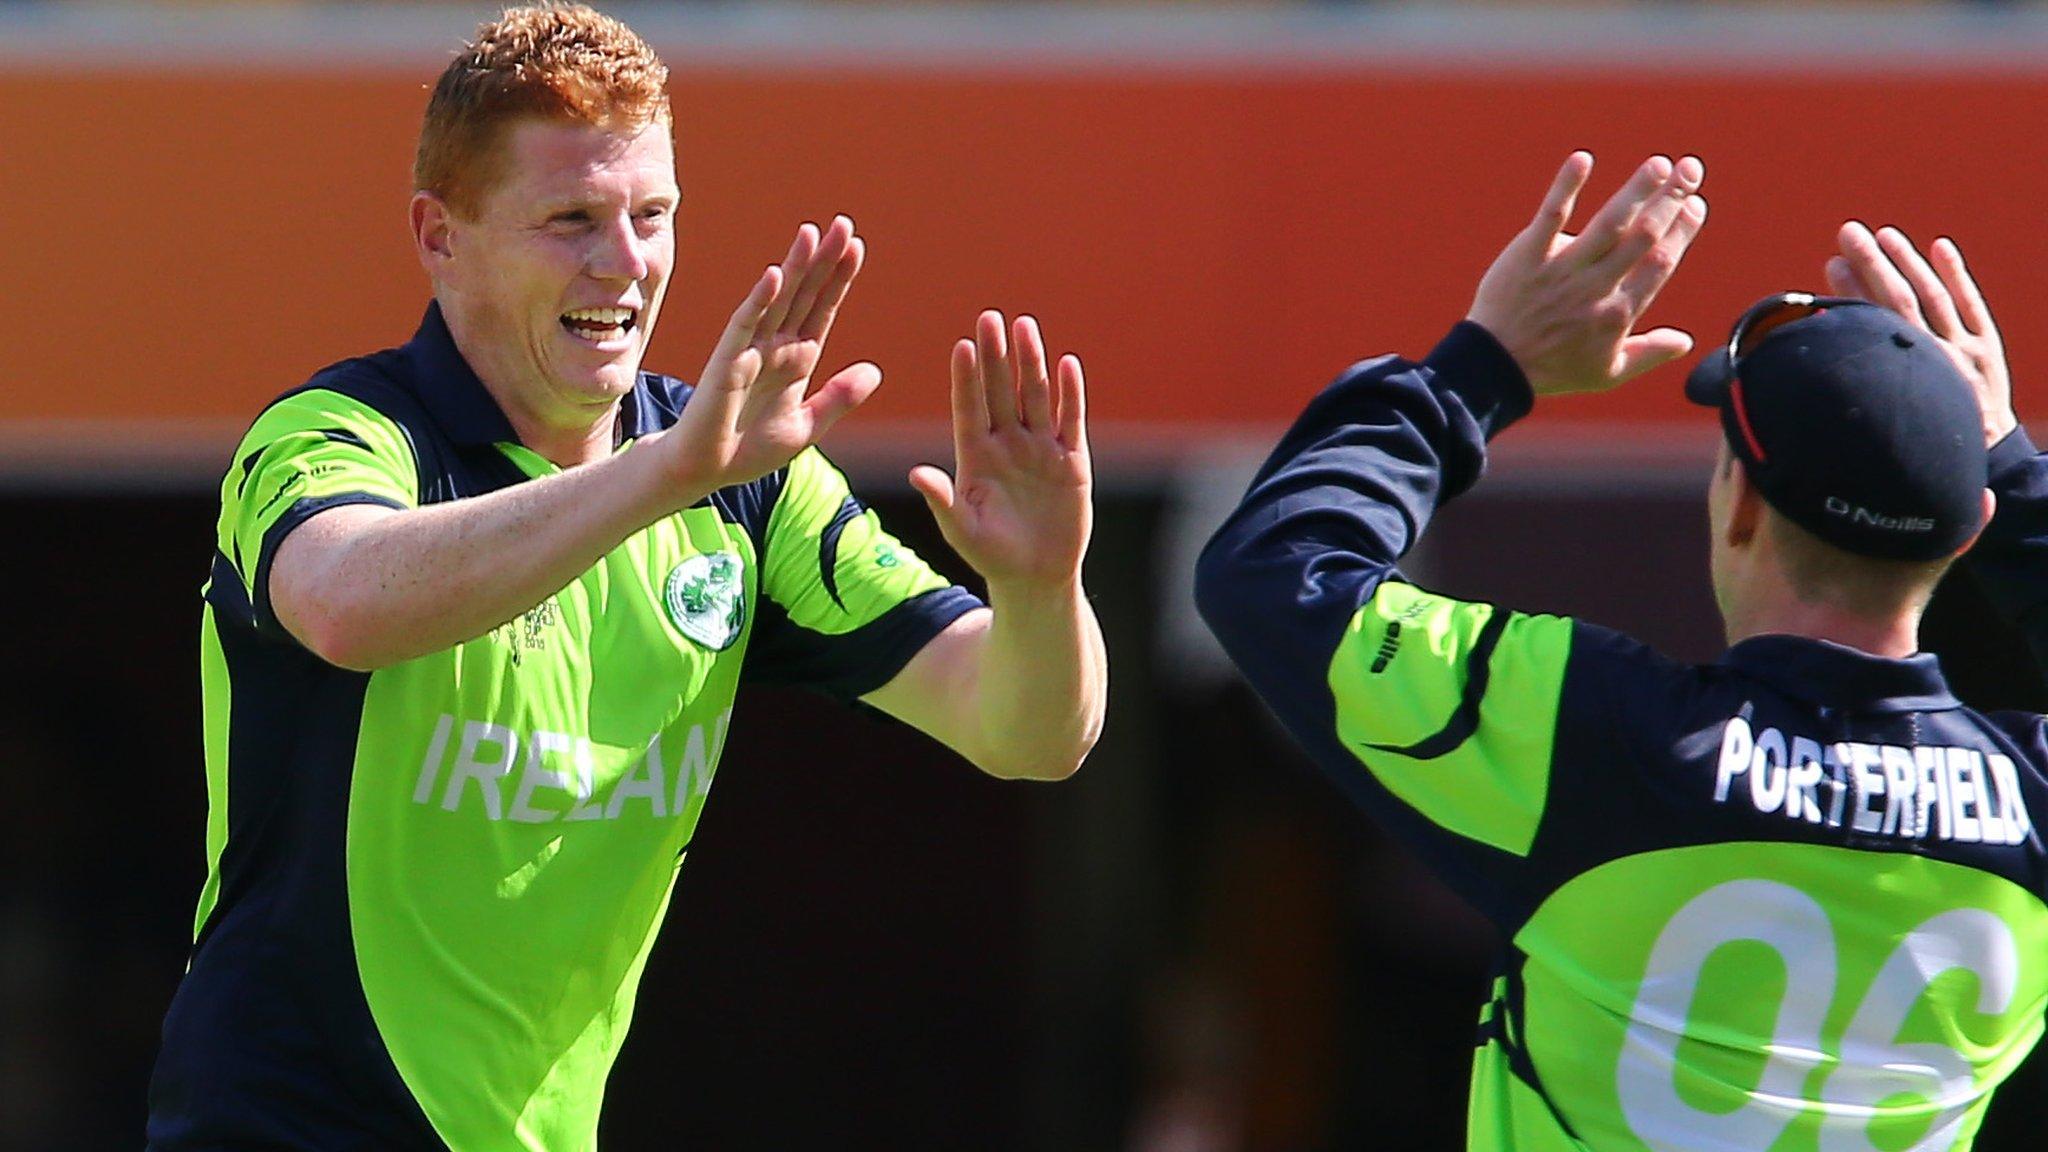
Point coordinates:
[[552, 285]]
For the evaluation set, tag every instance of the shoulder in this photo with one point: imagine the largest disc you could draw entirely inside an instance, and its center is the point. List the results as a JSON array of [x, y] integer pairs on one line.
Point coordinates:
[[1605, 650], [1644, 698], [2026, 730], [359, 407], [368, 388]]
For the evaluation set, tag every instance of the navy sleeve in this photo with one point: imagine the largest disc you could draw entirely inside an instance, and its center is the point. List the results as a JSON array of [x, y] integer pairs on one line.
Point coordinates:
[[2010, 560], [1436, 716], [1347, 492]]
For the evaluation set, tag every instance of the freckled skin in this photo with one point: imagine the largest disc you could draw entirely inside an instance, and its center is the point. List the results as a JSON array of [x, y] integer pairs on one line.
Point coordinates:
[[583, 217]]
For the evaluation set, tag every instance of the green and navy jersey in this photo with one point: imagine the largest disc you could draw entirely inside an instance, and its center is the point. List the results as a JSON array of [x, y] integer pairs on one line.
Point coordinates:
[[431, 888], [1788, 901]]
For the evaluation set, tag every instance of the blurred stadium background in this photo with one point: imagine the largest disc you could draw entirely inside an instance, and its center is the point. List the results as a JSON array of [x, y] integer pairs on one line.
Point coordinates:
[[1190, 948]]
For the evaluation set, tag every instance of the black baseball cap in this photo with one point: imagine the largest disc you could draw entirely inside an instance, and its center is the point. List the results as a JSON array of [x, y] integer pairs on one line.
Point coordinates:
[[1852, 423]]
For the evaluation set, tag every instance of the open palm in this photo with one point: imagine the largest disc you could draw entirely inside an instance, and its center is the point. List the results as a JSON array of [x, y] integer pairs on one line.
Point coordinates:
[[753, 409], [1019, 507]]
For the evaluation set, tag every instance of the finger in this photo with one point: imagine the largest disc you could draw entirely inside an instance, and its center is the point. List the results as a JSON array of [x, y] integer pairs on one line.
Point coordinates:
[[1034, 390], [998, 383], [1652, 349], [1935, 303], [1653, 269], [1884, 284], [1073, 405], [1656, 218], [844, 392], [1843, 281], [1558, 203], [1604, 230], [745, 321], [970, 403], [832, 246], [818, 324], [1948, 261], [794, 266]]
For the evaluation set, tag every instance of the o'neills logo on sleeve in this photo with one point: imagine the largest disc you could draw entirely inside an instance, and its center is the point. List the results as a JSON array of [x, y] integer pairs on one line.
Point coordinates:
[[1858, 514], [1913, 793]]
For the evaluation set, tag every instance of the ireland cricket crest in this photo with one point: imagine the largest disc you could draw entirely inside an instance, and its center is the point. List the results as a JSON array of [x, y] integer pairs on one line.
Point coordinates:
[[706, 599]]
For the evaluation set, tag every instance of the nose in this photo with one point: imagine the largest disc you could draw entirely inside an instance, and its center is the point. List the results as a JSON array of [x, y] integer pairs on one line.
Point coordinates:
[[619, 252]]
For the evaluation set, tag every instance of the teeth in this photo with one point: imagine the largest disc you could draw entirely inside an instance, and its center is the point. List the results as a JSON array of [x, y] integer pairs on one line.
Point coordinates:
[[610, 317]]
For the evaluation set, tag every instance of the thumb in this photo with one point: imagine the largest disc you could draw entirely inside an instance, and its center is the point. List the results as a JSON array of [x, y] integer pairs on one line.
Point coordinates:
[[1647, 350], [936, 487], [844, 392]]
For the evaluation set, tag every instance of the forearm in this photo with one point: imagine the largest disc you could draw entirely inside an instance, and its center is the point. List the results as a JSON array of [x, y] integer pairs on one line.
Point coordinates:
[[1042, 681], [2010, 559], [1347, 493], [365, 588]]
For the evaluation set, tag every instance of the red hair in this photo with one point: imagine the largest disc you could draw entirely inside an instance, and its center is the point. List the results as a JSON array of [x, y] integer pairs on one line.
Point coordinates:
[[564, 62]]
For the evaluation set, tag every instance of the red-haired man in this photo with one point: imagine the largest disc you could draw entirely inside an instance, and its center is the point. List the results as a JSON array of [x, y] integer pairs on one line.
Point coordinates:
[[481, 604]]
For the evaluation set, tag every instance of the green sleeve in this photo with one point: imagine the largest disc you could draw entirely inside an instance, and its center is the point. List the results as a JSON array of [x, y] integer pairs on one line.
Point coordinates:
[[308, 452], [830, 564], [1453, 708], [844, 604]]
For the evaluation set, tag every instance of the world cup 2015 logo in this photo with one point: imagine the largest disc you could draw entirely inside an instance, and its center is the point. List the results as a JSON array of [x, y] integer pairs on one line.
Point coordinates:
[[706, 599]]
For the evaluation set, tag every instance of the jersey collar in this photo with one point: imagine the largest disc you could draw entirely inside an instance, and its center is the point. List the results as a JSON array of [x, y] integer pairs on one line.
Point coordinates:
[[449, 388], [465, 410], [1824, 672]]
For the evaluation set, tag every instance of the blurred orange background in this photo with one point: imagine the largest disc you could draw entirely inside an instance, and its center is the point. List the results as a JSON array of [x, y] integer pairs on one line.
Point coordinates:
[[1216, 242]]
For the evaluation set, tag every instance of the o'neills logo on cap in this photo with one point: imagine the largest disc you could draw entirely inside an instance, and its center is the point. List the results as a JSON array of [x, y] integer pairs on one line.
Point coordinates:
[[1859, 515]]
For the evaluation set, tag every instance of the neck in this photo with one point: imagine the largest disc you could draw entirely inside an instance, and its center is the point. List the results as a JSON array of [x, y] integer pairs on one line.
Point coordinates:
[[565, 437], [1894, 638], [564, 445]]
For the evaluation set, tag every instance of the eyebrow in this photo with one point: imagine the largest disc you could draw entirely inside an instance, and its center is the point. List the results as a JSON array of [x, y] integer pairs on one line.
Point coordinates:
[[586, 203]]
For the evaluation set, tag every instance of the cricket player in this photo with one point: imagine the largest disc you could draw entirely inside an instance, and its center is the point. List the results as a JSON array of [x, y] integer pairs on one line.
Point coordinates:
[[481, 603], [1789, 900]]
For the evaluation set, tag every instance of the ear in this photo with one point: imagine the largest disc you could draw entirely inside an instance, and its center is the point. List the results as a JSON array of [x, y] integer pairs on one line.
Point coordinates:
[[1990, 510], [432, 224], [1745, 506]]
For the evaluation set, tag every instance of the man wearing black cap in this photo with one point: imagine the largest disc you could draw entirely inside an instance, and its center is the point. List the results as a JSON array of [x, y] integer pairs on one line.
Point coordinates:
[[1788, 900]]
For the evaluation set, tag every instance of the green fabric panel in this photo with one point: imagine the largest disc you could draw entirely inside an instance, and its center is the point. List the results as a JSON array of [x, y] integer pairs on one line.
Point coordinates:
[[1399, 677], [872, 570], [296, 458], [213, 678], [1783, 997], [517, 818], [1504, 1114]]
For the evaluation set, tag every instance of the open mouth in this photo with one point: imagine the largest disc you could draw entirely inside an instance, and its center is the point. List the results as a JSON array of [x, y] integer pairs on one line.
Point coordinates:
[[600, 325]]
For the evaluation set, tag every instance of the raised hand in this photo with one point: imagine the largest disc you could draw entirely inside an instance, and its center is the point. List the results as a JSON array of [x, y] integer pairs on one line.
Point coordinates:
[[750, 413], [1566, 306], [1942, 297], [1018, 508]]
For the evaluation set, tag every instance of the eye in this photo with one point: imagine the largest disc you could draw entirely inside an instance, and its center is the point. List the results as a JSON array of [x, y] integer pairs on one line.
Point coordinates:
[[570, 219]]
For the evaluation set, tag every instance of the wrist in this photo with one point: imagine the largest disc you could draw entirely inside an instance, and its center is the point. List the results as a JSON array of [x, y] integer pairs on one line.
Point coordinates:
[[660, 487], [1474, 363], [1999, 427], [1014, 594], [2010, 452]]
